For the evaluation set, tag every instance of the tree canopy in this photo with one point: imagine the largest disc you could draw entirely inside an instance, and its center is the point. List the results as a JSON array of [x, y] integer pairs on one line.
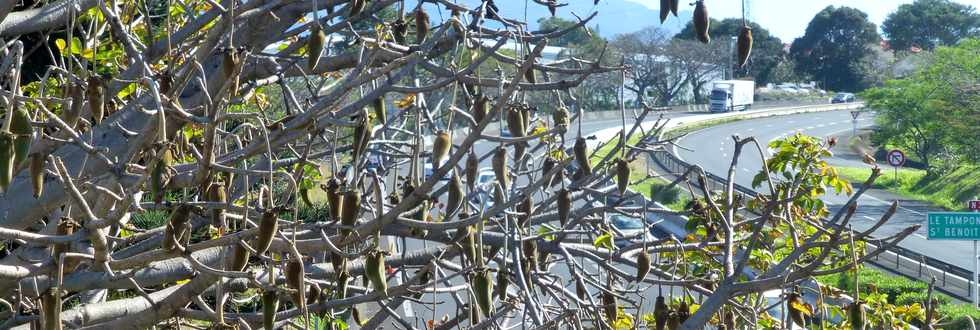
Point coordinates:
[[831, 51], [927, 24]]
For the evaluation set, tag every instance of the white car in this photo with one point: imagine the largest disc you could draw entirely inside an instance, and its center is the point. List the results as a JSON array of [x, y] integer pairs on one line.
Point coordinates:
[[633, 229], [485, 179], [428, 171]]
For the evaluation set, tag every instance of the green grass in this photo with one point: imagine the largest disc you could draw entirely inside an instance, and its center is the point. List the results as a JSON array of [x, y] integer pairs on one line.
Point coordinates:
[[640, 183], [686, 129], [950, 191], [902, 291]]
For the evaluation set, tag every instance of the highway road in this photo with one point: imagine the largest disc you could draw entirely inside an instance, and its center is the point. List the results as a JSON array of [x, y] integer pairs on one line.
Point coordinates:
[[712, 148]]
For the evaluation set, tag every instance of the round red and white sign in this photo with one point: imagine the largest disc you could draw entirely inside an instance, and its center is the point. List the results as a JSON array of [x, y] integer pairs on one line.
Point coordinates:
[[896, 158]]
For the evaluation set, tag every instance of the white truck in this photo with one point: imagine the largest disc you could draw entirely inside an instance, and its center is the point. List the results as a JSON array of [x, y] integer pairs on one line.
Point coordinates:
[[732, 95]]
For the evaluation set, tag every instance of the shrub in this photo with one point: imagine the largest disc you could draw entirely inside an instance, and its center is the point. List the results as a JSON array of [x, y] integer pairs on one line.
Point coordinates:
[[954, 315], [909, 298], [663, 194]]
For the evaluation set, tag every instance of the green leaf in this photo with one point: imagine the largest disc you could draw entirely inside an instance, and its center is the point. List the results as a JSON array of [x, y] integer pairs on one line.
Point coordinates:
[[604, 241]]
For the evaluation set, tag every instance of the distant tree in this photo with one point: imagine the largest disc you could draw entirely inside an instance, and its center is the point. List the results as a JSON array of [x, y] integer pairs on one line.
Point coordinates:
[[930, 23], [836, 42], [662, 68], [578, 36], [767, 50]]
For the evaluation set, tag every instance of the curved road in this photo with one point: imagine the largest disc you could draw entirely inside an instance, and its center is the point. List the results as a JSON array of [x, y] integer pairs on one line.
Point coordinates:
[[712, 148]]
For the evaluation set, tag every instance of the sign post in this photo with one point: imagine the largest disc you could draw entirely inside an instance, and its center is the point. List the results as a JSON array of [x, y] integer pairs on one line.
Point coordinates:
[[958, 226], [974, 206], [896, 158], [854, 121]]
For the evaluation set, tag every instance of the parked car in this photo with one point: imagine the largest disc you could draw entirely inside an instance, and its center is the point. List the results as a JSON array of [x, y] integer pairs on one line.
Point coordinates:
[[629, 229], [428, 171], [842, 98], [485, 179]]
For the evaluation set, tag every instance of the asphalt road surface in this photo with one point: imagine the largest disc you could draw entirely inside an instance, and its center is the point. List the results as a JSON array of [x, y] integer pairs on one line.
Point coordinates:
[[713, 147]]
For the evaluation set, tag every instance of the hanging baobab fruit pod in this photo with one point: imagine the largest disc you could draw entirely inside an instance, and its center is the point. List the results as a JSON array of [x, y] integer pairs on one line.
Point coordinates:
[[374, 269], [701, 22], [314, 46], [744, 45], [440, 149], [421, 24], [96, 98], [622, 175], [267, 230]]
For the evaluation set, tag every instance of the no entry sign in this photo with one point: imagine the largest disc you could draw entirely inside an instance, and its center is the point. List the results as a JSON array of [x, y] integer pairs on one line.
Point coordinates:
[[896, 158]]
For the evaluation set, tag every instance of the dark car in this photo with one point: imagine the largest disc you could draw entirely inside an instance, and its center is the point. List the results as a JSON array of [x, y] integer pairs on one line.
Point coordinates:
[[842, 98]]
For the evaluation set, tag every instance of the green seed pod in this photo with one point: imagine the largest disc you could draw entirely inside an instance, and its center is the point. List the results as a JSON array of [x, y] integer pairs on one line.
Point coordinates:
[[526, 207], [334, 197], [158, 178], [174, 232], [314, 293], [546, 167], [744, 45], [683, 311], [380, 110], [622, 176], [216, 194], [20, 127], [314, 46], [421, 25], [661, 313], [515, 122], [502, 282], [96, 98], [469, 245], [530, 253], [856, 315], [472, 169], [362, 134], [342, 280], [483, 289], [580, 291], [238, 259], [562, 119], [270, 303], [701, 22], [294, 280], [267, 230], [564, 206], [609, 306], [304, 194], [351, 209], [51, 309], [674, 4], [339, 262], [499, 164], [642, 265], [454, 202], [73, 111], [440, 149], [374, 269], [481, 108], [529, 74], [37, 174], [581, 150], [6, 159], [664, 10], [399, 29]]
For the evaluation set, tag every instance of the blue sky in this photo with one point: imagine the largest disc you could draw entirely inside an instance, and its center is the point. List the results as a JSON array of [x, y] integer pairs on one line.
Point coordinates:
[[787, 19]]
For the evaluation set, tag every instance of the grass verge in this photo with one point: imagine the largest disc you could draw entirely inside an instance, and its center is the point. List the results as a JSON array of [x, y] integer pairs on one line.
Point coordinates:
[[902, 291], [950, 191]]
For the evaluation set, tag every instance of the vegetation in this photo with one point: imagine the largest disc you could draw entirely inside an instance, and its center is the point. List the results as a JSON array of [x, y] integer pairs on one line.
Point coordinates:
[[950, 191], [837, 41], [903, 293], [927, 24], [767, 50], [933, 113]]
